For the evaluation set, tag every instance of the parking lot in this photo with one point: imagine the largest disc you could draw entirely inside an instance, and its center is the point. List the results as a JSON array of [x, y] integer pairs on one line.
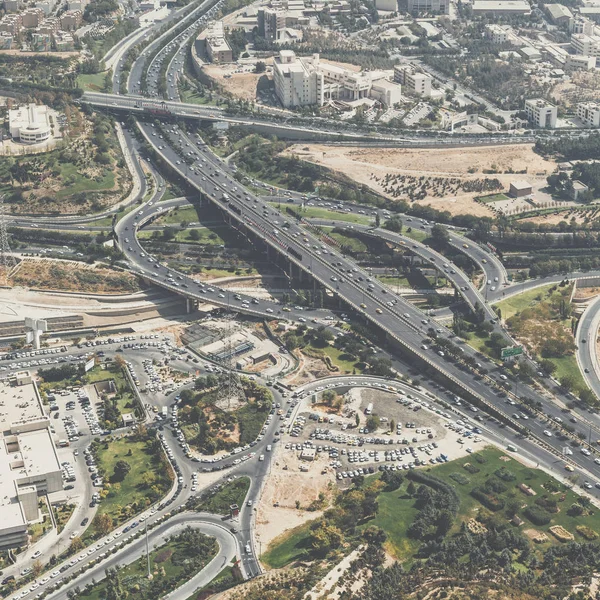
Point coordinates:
[[411, 432]]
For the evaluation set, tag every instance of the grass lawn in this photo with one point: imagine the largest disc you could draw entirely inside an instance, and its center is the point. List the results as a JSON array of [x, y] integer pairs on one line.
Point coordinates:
[[567, 365], [340, 359], [82, 184], [492, 198], [354, 244], [210, 273], [231, 493], [192, 97], [251, 421], [415, 234], [518, 302], [203, 237], [176, 216], [162, 565], [131, 495], [288, 547], [315, 212], [93, 82]]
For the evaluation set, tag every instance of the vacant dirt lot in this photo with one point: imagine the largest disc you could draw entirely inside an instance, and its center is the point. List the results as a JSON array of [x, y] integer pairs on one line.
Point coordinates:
[[466, 164], [285, 486], [67, 276]]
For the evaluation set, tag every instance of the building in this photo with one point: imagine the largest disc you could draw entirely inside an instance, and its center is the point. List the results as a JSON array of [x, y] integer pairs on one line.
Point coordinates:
[[32, 17], [71, 20], [50, 25], [498, 34], [12, 6], [308, 81], [558, 14], [585, 63], [589, 113], [212, 43], [578, 189], [308, 453], [64, 42], [41, 42], [518, 189], [30, 123], [297, 83], [6, 41], [269, 21], [431, 6], [29, 465], [530, 53], [128, 419], [413, 81], [388, 5], [582, 25], [591, 12], [541, 114], [11, 24], [501, 7], [585, 45]]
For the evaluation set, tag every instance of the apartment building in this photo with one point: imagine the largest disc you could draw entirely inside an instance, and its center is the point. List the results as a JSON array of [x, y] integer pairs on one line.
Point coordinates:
[[11, 24], [71, 20], [582, 25], [589, 113], [586, 45], [32, 17], [211, 42], [497, 34], [297, 81], [541, 114], [413, 81]]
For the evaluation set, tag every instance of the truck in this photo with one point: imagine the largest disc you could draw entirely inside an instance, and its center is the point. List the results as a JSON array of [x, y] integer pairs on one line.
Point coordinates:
[[369, 409], [164, 412]]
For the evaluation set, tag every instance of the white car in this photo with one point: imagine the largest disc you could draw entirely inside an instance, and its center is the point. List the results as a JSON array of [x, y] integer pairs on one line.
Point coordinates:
[[547, 433]]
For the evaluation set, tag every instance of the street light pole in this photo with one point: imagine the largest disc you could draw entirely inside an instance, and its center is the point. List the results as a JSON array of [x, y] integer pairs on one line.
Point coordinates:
[[148, 552]]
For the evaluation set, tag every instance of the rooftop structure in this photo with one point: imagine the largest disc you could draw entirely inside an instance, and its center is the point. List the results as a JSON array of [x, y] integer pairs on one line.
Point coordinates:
[[558, 13], [30, 123], [501, 7], [29, 465]]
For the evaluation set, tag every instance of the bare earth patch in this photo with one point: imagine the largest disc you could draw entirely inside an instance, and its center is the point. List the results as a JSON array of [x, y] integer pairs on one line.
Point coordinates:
[[362, 164], [67, 276]]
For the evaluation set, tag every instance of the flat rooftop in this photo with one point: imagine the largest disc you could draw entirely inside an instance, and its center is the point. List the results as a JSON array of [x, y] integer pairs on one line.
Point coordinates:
[[18, 404]]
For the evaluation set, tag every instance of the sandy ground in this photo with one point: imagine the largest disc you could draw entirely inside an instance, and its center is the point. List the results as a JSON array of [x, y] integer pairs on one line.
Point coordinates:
[[328, 585], [241, 85], [361, 164], [286, 485]]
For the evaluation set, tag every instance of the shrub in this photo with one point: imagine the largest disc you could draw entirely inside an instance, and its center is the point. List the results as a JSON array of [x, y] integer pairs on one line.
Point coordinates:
[[538, 516], [504, 474]]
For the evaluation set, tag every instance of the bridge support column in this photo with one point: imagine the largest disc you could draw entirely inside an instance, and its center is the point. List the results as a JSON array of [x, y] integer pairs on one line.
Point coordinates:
[[190, 305]]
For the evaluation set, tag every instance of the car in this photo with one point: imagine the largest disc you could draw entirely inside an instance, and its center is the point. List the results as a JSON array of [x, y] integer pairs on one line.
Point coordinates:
[[36, 554], [547, 433], [249, 502], [587, 485], [569, 468]]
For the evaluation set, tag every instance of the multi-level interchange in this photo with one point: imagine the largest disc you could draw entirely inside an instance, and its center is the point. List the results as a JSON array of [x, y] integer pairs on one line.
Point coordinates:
[[300, 299]]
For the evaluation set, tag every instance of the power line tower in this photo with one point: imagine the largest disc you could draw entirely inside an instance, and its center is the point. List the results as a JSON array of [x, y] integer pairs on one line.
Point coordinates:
[[230, 392], [7, 260]]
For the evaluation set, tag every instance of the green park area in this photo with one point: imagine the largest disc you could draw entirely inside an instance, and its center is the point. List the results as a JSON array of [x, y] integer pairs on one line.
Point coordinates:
[[92, 82], [135, 473], [453, 507], [171, 565], [492, 198], [219, 501]]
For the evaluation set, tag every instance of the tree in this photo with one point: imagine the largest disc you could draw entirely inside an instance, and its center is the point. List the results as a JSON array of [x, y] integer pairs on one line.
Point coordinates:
[[372, 422], [547, 366], [103, 523], [76, 545], [260, 67], [440, 235], [37, 567], [194, 235], [122, 468], [567, 382]]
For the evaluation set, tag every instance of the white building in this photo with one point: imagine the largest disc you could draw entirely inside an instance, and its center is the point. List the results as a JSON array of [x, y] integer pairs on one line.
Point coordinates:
[[30, 123], [217, 49], [308, 81], [389, 5], [497, 34], [29, 465], [589, 113], [582, 25], [586, 45], [413, 81], [540, 113], [501, 7], [430, 6], [576, 61]]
